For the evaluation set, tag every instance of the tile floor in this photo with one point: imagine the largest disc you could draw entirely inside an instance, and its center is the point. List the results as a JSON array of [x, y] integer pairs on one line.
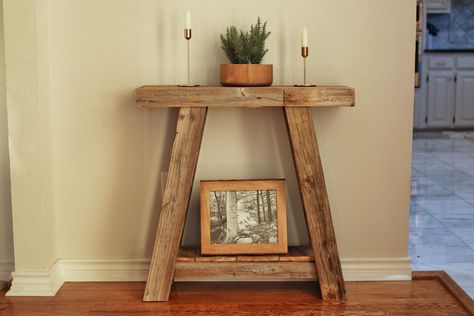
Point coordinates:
[[442, 205]]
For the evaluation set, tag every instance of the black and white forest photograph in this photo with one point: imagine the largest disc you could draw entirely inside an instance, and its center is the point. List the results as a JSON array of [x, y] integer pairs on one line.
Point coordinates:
[[243, 217]]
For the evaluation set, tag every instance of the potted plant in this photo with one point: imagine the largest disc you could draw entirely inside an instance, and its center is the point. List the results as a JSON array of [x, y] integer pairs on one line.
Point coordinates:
[[245, 51]]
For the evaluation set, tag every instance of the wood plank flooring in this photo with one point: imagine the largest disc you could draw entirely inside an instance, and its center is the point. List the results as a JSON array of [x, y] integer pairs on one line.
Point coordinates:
[[428, 294]]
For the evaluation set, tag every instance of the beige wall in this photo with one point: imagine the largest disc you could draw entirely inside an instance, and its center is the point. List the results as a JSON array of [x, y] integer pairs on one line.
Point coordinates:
[[108, 155], [6, 238]]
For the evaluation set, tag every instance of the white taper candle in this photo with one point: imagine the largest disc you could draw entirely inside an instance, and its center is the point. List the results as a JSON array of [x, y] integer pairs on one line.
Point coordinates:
[[188, 20], [304, 37]]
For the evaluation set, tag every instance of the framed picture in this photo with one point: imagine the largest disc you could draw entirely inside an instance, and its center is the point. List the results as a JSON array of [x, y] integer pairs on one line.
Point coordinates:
[[243, 217]]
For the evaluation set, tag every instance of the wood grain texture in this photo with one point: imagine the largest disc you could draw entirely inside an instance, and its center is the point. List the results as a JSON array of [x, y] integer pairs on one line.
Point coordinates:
[[425, 297], [267, 258], [250, 97], [242, 75], [201, 258], [208, 248], [449, 284], [295, 254], [244, 268], [315, 200], [173, 96], [319, 96], [184, 156], [298, 254], [244, 271]]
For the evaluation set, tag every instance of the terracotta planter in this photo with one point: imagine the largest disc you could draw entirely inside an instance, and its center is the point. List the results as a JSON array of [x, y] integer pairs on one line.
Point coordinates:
[[246, 75]]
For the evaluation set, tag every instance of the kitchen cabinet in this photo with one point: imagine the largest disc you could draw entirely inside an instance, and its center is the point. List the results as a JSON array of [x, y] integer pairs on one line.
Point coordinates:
[[464, 100], [438, 6], [440, 98], [446, 98]]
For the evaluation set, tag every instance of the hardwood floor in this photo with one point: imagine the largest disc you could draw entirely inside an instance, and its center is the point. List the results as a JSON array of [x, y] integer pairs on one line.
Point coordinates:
[[428, 294]]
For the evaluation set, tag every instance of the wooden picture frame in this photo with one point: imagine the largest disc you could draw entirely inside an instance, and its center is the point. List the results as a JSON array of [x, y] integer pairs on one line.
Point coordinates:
[[258, 216]]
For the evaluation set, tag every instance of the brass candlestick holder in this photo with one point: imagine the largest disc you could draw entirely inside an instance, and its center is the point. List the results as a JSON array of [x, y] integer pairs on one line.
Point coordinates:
[[187, 36], [304, 54]]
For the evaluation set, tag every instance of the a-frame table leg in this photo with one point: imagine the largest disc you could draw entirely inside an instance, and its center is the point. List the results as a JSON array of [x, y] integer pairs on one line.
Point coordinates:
[[179, 183], [313, 192]]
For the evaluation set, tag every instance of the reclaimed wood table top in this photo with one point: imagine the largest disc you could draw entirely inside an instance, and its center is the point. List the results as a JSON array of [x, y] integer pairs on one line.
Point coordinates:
[[166, 96]]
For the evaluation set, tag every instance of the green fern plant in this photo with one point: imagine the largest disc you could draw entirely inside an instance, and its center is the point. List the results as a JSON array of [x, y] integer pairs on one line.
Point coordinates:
[[245, 47]]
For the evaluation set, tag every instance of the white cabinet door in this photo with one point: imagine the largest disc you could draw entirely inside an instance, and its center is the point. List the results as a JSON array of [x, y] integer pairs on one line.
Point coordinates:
[[439, 6], [464, 110], [440, 98]]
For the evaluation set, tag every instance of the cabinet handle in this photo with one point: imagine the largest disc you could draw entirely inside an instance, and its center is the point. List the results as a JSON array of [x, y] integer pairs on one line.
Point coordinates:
[[450, 79], [440, 63]]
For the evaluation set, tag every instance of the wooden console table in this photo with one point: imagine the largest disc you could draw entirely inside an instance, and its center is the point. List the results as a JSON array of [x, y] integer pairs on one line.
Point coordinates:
[[193, 102]]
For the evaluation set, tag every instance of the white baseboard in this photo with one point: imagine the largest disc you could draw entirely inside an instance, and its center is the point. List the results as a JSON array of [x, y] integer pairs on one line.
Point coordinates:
[[120, 270], [37, 283], [113, 270], [376, 269]]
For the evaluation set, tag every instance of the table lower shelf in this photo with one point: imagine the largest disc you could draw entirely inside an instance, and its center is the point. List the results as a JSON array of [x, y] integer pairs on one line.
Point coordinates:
[[297, 265]]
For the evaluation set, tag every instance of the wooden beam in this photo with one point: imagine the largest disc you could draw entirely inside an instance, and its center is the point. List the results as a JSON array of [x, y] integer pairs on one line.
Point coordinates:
[[245, 271], [319, 96], [312, 187], [173, 96], [249, 97], [179, 182]]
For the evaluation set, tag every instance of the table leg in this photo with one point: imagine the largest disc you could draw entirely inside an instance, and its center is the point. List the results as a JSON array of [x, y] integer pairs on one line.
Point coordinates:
[[184, 156], [313, 192]]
